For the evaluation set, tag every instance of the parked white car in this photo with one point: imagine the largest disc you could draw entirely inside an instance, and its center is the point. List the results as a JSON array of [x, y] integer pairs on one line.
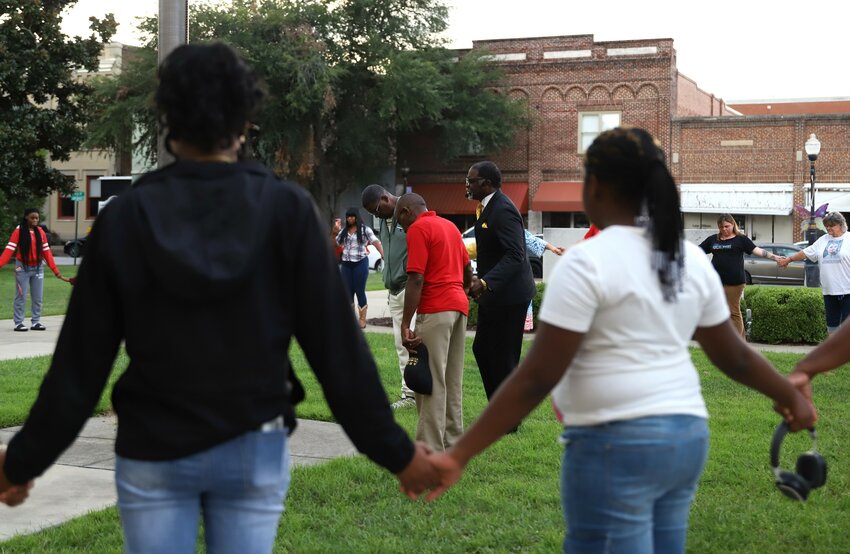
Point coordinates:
[[376, 262]]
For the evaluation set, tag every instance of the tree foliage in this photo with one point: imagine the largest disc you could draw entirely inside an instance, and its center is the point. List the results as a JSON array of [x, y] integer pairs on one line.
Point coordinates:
[[42, 104], [346, 80]]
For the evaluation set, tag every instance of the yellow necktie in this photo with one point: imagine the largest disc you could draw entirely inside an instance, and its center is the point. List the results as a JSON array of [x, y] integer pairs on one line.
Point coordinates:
[[478, 209]]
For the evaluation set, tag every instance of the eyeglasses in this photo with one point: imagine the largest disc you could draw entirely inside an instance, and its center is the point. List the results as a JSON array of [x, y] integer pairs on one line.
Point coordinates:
[[474, 180]]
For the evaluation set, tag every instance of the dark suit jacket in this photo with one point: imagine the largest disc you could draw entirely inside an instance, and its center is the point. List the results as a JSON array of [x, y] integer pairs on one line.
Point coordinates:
[[502, 259]]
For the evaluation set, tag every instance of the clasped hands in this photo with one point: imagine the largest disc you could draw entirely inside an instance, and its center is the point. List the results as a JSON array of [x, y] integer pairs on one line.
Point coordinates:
[[429, 471], [11, 495]]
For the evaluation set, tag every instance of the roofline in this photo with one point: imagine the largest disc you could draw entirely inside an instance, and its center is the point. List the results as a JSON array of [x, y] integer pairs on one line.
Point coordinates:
[[792, 100]]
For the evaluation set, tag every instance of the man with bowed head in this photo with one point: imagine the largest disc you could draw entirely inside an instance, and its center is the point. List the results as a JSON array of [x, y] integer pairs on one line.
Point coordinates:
[[203, 429], [438, 275], [380, 203]]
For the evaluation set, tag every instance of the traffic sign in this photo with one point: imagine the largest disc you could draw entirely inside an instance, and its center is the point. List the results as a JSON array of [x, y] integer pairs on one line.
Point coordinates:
[[77, 195]]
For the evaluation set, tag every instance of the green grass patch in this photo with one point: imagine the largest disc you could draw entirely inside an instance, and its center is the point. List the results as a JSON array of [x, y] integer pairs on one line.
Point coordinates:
[[21, 378], [375, 281], [56, 292], [508, 500]]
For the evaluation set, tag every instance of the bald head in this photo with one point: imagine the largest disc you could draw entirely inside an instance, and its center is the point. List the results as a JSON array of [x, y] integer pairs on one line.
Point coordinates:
[[408, 208]]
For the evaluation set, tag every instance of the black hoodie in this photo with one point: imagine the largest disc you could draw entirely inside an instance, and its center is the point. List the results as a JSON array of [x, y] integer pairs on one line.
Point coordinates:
[[206, 271]]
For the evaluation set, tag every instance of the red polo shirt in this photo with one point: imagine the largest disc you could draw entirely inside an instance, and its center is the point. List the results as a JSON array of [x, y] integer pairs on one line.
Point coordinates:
[[436, 250]]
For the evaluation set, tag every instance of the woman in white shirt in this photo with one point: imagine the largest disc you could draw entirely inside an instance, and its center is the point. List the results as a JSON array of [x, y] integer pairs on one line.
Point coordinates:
[[618, 313], [833, 257]]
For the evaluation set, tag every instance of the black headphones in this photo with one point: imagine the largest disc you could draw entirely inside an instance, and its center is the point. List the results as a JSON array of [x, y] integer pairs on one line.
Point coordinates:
[[811, 467]]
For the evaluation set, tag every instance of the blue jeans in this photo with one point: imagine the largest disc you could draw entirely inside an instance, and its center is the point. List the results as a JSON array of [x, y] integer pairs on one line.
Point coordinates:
[[239, 486], [836, 308], [627, 486], [28, 279], [354, 275]]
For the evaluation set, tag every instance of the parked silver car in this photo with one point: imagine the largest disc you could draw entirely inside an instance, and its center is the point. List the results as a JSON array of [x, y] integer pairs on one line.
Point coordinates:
[[761, 271]]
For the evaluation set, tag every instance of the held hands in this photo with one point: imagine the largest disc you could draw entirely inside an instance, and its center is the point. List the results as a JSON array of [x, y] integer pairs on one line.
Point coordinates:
[[557, 250], [783, 261], [476, 288], [800, 413], [433, 472], [11, 495]]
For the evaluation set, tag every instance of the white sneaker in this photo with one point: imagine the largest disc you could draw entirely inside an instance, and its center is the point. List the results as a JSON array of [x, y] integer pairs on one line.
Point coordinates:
[[405, 402]]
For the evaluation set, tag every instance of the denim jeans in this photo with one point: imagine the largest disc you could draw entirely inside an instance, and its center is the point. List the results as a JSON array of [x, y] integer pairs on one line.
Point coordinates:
[[354, 275], [239, 486], [28, 279], [627, 486]]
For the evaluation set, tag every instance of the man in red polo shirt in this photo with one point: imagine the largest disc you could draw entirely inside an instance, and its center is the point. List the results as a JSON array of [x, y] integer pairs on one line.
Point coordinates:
[[438, 277]]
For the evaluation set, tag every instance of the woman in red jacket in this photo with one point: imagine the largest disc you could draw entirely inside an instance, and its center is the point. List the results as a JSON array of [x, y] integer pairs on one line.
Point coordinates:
[[32, 250]]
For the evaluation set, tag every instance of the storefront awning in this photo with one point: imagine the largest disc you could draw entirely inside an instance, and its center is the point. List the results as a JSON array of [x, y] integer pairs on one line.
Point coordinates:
[[450, 198], [837, 195], [558, 197], [738, 198]]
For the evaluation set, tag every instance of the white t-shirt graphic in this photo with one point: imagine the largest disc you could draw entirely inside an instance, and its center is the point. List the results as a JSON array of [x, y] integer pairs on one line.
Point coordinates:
[[833, 256]]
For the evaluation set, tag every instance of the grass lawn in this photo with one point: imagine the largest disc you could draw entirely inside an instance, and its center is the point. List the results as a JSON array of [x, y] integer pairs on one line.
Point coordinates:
[[508, 500], [56, 292], [375, 281]]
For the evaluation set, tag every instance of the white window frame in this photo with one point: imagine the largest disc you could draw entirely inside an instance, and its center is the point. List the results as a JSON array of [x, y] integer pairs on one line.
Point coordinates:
[[587, 137]]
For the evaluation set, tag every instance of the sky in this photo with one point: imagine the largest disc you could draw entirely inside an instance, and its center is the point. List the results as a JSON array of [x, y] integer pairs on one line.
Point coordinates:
[[734, 49]]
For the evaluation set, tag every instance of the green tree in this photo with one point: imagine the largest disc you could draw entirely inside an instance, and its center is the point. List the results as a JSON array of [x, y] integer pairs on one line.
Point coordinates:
[[347, 81], [42, 104]]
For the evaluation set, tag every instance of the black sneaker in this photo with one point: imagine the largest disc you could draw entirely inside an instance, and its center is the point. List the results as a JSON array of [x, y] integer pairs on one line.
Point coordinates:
[[38, 327], [21, 327]]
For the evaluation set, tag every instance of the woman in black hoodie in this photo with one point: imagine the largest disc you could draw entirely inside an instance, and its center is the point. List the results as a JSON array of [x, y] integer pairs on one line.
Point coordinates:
[[204, 408]]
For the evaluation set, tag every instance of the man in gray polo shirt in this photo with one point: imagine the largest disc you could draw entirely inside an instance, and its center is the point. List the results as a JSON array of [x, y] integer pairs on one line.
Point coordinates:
[[380, 203]]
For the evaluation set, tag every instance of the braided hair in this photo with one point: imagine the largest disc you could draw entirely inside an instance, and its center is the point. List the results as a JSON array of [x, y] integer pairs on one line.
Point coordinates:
[[24, 244], [629, 160]]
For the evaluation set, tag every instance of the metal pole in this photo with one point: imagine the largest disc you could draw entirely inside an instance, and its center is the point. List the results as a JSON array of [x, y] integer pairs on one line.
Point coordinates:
[[812, 269], [172, 32], [76, 229]]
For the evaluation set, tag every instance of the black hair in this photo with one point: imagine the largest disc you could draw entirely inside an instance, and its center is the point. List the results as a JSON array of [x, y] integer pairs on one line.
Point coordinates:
[[490, 171], [24, 245], [207, 95], [358, 222], [629, 160], [372, 194]]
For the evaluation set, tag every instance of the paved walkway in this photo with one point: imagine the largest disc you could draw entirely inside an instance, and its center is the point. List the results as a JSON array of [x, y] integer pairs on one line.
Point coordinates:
[[81, 481]]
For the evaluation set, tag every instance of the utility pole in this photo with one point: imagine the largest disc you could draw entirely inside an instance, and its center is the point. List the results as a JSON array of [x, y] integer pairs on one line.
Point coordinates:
[[173, 31]]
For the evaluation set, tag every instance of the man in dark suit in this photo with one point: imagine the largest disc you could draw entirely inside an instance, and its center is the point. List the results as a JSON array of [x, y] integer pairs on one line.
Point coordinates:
[[504, 285]]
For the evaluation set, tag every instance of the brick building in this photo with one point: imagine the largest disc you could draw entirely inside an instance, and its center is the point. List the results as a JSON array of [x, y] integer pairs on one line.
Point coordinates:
[[752, 166]]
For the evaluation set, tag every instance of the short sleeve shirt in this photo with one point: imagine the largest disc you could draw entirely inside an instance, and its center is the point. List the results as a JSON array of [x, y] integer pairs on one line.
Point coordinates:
[[633, 360], [353, 251], [833, 256], [436, 250], [728, 257]]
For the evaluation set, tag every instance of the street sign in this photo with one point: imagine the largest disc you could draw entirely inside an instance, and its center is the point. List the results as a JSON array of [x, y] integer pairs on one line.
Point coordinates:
[[77, 196]]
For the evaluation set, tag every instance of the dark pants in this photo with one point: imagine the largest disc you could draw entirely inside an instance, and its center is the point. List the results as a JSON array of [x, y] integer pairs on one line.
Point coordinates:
[[354, 275], [837, 309], [498, 342]]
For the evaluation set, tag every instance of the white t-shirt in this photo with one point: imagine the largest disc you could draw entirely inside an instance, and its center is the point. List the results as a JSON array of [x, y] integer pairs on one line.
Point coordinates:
[[634, 360], [833, 256]]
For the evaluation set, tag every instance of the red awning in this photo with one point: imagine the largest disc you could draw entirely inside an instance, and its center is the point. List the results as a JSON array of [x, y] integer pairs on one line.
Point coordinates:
[[450, 198], [558, 197]]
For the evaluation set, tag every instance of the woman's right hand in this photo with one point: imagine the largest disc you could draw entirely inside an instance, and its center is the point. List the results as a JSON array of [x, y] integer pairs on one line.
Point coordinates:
[[450, 471], [800, 413]]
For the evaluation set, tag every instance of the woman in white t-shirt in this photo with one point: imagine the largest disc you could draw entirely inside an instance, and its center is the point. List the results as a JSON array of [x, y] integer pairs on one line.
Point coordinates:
[[618, 313], [832, 253]]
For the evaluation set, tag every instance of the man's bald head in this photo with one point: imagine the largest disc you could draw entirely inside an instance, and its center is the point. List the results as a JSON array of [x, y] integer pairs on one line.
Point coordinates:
[[408, 208]]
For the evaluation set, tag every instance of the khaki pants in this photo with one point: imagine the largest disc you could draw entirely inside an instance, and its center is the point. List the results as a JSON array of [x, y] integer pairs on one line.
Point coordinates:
[[396, 306], [733, 298], [441, 412]]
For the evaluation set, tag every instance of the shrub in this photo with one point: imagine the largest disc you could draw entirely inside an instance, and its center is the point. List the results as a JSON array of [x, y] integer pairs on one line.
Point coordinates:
[[786, 314]]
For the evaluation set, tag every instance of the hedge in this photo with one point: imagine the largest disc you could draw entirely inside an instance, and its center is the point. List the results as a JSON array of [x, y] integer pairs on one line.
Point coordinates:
[[785, 314]]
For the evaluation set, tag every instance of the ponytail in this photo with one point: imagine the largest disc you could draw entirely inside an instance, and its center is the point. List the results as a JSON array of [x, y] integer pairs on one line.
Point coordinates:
[[629, 160]]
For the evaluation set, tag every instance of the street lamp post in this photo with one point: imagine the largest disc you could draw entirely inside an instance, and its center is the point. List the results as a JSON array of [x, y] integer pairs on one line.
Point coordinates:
[[812, 270], [405, 171]]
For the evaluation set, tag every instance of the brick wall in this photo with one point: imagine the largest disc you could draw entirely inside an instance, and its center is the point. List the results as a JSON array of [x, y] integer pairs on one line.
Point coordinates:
[[761, 149]]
